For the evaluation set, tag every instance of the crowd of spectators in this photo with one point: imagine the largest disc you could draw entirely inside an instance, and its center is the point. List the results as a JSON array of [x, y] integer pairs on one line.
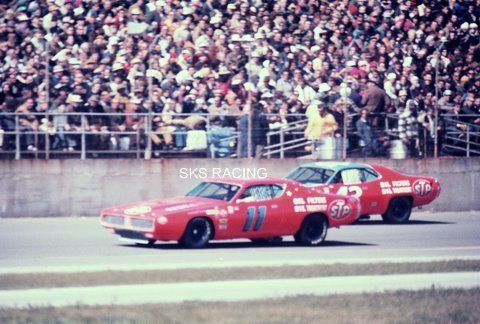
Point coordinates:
[[191, 57]]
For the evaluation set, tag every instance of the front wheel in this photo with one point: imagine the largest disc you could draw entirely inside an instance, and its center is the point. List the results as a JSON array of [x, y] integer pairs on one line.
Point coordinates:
[[312, 231], [197, 233], [398, 211]]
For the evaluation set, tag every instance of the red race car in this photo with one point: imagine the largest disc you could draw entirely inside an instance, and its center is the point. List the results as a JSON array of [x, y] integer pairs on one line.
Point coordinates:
[[381, 190], [226, 209]]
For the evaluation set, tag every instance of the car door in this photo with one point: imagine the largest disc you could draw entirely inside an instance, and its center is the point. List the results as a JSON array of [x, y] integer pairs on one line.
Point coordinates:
[[258, 211], [359, 182]]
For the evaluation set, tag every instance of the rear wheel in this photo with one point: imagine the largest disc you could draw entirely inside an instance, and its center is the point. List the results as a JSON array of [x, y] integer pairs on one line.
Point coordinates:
[[197, 233], [312, 231], [398, 211]]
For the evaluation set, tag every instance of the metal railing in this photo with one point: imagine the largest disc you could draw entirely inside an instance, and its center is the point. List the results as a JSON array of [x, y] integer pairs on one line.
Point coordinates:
[[461, 141], [284, 140]]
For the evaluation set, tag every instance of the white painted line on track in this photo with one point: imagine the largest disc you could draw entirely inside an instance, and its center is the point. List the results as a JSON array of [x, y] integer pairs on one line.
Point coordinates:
[[231, 290], [215, 264]]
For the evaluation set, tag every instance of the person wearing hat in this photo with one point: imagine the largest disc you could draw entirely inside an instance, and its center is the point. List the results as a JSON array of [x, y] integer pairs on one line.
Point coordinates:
[[446, 101], [259, 130], [389, 86], [374, 98], [402, 98], [368, 140], [320, 124], [284, 85]]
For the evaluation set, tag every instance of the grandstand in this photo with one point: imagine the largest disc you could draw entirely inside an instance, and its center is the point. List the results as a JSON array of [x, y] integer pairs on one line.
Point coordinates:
[[169, 78]]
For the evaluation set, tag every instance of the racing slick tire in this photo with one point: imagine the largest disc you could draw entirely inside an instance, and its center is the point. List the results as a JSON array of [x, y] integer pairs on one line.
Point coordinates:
[[398, 211], [313, 230], [197, 233]]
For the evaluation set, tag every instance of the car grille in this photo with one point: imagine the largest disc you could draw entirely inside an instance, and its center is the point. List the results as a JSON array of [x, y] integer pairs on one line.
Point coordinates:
[[143, 223], [114, 220], [131, 234]]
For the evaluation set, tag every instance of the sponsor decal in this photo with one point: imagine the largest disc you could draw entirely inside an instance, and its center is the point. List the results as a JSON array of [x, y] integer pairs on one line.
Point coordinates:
[[222, 226], [137, 210], [312, 204], [339, 209], [395, 187], [422, 187], [230, 209], [212, 212], [289, 193]]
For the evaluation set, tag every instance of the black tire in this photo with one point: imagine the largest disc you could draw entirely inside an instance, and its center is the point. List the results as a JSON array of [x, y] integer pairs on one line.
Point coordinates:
[[398, 211], [197, 233], [313, 230]]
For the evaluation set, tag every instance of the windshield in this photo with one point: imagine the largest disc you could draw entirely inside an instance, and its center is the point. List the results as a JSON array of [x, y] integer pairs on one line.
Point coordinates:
[[214, 190], [310, 176]]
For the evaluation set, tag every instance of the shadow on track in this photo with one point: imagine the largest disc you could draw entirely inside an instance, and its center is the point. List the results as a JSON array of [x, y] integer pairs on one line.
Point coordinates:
[[412, 222], [245, 245]]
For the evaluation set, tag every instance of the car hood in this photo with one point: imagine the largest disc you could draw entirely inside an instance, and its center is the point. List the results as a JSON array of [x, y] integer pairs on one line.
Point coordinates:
[[164, 206]]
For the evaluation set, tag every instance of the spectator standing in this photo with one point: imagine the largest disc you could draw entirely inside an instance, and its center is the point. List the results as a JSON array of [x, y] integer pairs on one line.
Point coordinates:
[[259, 132]]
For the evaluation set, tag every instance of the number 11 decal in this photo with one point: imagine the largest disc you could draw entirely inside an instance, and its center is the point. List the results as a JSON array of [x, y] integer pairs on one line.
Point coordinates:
[[262, 210]]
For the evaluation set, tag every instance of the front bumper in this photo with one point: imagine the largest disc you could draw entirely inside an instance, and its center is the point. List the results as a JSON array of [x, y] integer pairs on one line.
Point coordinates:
[[129, 227]]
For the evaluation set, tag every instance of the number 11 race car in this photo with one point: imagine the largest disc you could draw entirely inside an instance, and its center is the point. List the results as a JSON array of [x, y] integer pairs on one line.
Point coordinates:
[[381, 190], [226, 209]]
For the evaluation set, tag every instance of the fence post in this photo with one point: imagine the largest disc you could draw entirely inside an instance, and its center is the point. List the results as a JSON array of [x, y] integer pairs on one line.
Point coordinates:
[[83, 153], [17, 138], [282, 142], [47, 99], [425, 139], [468, 141], [137, 138], [344, 134], [269, 141], [35, 136]]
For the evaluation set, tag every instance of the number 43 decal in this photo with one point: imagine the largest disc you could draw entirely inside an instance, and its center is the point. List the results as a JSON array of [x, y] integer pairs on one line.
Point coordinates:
[[262, 210], [350, 191]]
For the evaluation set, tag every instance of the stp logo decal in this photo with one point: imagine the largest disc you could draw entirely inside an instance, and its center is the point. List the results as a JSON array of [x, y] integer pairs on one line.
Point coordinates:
[[339, 209], [421, 187]]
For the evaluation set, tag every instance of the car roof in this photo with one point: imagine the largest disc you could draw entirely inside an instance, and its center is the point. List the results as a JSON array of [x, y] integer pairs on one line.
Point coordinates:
[[335, 166]]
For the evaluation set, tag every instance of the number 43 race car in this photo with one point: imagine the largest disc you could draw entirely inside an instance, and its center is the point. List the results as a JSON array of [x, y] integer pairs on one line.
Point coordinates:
[[381, 190], [226, 209]]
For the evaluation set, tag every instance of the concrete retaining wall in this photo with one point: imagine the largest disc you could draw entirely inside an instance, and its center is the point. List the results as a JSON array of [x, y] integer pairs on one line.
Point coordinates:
[[34, 188]]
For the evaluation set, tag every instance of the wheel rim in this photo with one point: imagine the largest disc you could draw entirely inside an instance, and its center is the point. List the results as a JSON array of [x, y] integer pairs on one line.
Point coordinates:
[[199, 232], [315, 230]]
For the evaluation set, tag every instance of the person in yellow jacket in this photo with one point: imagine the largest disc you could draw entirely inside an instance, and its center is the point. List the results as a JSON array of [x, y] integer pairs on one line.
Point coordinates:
[[320, 124]]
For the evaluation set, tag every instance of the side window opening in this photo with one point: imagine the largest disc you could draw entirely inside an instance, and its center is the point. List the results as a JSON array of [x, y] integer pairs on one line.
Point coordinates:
[[351, 176], [338, 178], [257, 193], [368, 175], [277, 191]]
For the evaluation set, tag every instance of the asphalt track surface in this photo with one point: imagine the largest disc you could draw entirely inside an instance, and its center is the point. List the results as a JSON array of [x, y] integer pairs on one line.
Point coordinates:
[[81, 244]]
